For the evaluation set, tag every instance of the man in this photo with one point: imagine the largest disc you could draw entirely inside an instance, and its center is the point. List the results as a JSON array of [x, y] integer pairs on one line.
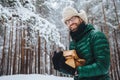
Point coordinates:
[[90, 44]]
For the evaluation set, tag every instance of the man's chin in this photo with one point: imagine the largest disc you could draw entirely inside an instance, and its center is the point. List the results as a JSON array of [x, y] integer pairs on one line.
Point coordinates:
[[74, 30]]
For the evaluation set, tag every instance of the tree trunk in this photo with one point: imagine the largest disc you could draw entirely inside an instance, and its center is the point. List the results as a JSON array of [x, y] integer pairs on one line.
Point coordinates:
[[106, 27], [15, 55], [117, 17], [8, 58], [19, 54], [39, 53], [46, 71], [2, 72], [22, 52]]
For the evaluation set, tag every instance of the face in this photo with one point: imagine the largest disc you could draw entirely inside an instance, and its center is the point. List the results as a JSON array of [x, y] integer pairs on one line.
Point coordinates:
[[73, 23]]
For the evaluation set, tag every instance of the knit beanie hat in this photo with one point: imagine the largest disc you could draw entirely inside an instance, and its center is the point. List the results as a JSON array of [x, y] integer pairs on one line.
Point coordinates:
[[69, 12]]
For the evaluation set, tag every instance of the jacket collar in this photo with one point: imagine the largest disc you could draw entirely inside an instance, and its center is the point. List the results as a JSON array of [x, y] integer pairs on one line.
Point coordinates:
[[81, 32]]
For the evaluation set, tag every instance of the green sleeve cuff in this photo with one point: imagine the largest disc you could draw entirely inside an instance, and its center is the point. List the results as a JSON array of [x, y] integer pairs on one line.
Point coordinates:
[[79, 68]]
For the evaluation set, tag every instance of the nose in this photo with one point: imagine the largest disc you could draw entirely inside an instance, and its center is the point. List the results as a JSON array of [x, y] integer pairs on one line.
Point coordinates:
[[70, 23], [70, 26]]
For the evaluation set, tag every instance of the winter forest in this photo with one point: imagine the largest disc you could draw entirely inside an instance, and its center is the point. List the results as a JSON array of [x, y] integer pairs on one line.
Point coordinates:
[[31, 30]]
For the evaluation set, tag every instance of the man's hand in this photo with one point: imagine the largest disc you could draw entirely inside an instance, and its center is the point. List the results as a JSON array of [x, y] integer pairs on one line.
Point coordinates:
[[65, 67], [56, 59], [59, 63]]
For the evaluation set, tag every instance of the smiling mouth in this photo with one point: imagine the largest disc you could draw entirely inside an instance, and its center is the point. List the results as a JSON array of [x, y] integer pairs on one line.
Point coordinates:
[[73, 30]]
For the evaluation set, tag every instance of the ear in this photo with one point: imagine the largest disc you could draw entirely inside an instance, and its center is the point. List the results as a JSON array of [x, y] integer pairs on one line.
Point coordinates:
[[83, 16], [80, 20]]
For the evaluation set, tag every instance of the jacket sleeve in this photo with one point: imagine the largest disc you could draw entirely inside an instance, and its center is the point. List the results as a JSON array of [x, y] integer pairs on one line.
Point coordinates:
[[72, 45], [101, 54]]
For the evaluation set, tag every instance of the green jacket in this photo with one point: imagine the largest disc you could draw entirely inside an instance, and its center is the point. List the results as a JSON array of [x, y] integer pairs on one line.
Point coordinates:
[[94, 48]]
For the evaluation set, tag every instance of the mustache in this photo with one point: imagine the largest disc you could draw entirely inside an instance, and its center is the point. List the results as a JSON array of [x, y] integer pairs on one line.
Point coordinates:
[[73, 24]]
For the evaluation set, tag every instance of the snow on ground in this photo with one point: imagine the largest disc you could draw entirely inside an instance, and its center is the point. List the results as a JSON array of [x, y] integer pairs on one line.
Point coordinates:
[[33, 77]]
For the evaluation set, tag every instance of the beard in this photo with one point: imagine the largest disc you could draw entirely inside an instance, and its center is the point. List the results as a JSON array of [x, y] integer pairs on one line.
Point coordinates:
[[79, 30]]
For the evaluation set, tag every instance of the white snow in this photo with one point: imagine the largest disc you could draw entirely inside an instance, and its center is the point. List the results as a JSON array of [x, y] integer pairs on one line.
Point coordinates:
[[33, 77], [27, 15]]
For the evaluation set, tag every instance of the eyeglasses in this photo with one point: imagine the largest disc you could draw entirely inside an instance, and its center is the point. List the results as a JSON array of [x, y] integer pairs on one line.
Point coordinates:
[[71, 19]]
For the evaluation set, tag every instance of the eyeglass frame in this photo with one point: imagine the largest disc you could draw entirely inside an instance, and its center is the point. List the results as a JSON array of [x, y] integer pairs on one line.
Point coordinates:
[[71, 19]]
